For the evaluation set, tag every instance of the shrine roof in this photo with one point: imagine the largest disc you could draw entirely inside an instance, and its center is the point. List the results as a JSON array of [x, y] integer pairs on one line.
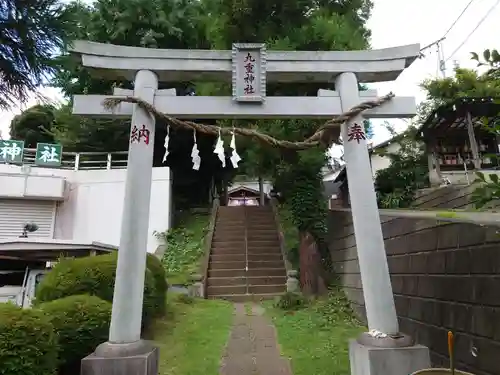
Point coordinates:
[[242, 188], [453, 116]]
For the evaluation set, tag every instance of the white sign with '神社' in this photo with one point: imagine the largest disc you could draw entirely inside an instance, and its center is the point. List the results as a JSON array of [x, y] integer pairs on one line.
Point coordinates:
[[249, 72]]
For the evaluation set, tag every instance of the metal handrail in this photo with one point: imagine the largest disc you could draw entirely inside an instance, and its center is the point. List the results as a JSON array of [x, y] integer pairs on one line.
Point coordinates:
[[84, 160]]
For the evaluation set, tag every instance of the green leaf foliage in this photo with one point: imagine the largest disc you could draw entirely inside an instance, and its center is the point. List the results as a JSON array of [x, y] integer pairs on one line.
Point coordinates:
[[32, 32], [81, 323], [305, 25], [28, 343], [94, 275], [185, 248], [290, 25], [33, 125], [408, 171]]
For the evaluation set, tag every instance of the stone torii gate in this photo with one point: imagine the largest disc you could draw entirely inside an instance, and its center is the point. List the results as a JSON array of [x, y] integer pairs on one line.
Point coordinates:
[[249, 67]]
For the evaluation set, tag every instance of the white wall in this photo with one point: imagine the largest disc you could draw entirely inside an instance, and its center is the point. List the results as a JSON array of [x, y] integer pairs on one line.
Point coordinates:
[[381, 162], [93, 203]]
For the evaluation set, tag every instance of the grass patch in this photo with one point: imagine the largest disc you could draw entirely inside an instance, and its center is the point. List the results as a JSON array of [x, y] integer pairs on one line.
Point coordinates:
[[192, 337], [185, 247], [316, 337]]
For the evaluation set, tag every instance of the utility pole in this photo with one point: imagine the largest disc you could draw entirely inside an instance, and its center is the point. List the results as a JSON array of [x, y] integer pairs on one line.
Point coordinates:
[[439, 48]]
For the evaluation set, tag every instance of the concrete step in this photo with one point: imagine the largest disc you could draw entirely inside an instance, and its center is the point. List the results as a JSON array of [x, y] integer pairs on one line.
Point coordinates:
[[228, 243], [266, 280], [230, 223], [266, 289], [246, 297], [252, 265], [227, 289], [229, 236], [260, 224], [240, 272], [226, 227], [236, 215], [241, 280], [226, 281], [263, 231], [265, 236], [265, 264], [262, 243], [265, 257], [227, 265], [240, 236], [243, 289], [229, 226], [227, 250], [240, 257], [258, 215], [264, 250]]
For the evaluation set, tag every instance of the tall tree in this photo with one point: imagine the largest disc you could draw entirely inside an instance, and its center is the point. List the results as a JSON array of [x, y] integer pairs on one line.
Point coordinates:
[[140, 23], [290, 25], [33, 125], [145, 23], [31, 33], [284, 25], [464, 83]]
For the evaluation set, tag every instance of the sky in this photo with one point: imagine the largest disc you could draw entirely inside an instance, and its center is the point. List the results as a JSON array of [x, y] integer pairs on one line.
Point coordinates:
[[400, 22]]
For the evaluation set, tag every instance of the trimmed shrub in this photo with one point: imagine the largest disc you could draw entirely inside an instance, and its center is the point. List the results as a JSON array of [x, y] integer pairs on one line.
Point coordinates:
[[28, 344], [81, 324], [94, 275], [161, 286]]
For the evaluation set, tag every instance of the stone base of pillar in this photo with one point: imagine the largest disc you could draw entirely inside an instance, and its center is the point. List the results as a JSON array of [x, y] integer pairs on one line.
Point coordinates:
[[139, 358], [374, 360]]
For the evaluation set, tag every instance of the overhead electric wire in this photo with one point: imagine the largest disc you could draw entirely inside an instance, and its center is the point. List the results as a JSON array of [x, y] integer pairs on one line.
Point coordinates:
[[440, 53], [458, 18], [474, 30], [449, 29]]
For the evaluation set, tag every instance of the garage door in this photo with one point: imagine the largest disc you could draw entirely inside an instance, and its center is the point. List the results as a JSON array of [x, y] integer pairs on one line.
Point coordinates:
[[15, 213]]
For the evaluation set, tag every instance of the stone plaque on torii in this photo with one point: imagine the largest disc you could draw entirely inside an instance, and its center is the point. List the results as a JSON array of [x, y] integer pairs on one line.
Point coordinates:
[[248, 67]]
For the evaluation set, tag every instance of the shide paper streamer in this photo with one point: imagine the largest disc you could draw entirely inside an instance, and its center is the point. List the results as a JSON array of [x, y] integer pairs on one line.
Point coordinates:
[[235, 158], [219, 150], [195, 154], [165, 144]]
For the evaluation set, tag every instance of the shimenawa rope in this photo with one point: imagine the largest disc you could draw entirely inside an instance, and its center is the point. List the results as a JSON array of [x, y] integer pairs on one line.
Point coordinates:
[[325, 135]]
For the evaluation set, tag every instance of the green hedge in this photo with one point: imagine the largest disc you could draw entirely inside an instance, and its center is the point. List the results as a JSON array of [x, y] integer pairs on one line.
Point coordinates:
[[161, 286], [81, 324], [94, 275], [28, 344]]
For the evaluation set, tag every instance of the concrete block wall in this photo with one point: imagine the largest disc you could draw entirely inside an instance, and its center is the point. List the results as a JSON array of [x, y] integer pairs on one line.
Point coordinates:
[[450, 197], [444, 277]]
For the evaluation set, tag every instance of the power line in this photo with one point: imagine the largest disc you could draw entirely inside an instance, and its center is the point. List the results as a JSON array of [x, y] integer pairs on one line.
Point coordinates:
[[441, 63], [458, 18], [474, 30]]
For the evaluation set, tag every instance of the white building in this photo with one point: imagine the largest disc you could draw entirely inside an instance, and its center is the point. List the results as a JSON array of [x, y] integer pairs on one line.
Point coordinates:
[[380, 161], [80, 201]]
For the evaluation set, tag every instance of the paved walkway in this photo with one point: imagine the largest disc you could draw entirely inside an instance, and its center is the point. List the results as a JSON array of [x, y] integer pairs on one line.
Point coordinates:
[[252, 348]]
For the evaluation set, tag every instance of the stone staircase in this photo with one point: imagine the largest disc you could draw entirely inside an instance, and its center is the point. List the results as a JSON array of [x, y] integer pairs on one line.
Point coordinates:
[[245, 259]]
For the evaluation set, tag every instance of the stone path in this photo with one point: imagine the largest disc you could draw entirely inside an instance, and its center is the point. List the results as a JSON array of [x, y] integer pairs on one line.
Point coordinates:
[[252, 348]]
